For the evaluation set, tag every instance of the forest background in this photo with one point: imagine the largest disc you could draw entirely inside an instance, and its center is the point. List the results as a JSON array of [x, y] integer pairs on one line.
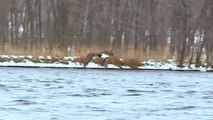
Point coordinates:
[[140, 29]]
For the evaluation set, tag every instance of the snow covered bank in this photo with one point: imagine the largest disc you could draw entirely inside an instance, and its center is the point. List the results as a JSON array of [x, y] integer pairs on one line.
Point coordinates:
[[67, 62]]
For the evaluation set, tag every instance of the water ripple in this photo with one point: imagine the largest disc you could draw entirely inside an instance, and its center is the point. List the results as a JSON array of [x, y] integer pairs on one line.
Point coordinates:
[[135, 94], [142, 91], [182, 108], [23, 102], [63, 94]]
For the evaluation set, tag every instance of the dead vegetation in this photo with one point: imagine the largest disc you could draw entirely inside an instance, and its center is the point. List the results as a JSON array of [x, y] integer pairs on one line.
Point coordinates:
[[80, 60], [132, 63], [112, 59], [103, 58], [35, 59]]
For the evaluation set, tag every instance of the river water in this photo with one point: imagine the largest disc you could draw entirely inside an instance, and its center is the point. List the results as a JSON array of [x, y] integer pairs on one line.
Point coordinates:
[[74, 94]]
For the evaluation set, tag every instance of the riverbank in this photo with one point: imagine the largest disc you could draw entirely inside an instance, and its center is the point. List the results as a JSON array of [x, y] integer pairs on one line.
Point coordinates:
[[68, 62]]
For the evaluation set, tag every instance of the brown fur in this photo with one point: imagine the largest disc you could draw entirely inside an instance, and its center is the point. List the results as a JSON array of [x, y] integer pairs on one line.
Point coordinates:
[[80, 60], [112, 60], [90, 56], [96, 57], [97, 60], [132, 63]]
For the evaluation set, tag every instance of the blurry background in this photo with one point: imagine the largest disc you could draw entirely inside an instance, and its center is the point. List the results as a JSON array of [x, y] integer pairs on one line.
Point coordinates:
[[143, 29]]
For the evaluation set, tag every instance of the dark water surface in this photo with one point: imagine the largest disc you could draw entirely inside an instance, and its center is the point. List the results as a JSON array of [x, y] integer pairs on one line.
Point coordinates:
[[70, 94]]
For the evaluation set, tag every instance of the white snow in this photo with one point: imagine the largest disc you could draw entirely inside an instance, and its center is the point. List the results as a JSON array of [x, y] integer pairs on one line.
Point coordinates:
[[104, 56]]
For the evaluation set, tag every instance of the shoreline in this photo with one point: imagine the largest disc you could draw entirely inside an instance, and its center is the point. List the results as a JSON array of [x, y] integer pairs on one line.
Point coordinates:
[[117, 69], [67, 63]]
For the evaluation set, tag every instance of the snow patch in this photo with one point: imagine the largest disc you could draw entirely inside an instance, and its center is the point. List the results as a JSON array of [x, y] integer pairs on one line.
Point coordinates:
[[149, 64], [104, 55]]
